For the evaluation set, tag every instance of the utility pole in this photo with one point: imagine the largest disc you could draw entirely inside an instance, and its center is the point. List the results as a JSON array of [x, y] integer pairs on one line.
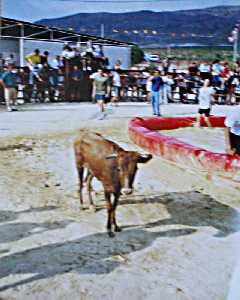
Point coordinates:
[[233, 38], [102, 31], [1, 12], [169, 51], [235, 45]]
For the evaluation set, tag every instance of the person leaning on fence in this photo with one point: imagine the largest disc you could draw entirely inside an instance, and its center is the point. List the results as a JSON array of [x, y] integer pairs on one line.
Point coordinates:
[[232, 132], [34, 59], [27, 82], [56, 70], [230, 85], [116, 87], [44, 88], [9, 83], [76, 76], [44, 58], [169, 88]]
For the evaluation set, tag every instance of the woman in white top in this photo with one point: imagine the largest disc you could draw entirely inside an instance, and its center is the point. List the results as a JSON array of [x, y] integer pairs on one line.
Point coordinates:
[[205, 101], [149, 86]]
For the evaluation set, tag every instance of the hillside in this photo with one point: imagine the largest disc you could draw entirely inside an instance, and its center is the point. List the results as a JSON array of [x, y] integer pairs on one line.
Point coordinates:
[[209, 26]]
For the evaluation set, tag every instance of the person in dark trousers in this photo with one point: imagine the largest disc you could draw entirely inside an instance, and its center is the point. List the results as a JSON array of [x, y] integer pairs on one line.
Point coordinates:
[[232, 132], [157, 83], [44, 58], [76, 77], [44, 85]]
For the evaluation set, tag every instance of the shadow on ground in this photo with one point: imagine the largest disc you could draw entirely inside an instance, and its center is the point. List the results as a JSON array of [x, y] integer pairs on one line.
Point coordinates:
[[16, 231], [193, 209], [92, 254], [96, 253], [9, 216]]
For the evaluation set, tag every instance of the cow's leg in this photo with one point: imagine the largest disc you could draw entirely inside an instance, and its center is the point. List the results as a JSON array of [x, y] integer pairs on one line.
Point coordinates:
[[80, 176], [89, 189], [109, 211], [80, 170], [115, 204]]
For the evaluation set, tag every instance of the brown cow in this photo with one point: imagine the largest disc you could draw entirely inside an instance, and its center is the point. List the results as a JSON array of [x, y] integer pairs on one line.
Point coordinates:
[[110, 164]]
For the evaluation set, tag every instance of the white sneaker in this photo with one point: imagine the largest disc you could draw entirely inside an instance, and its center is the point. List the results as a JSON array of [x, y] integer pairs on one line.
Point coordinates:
[[9, 109], [102, 116]]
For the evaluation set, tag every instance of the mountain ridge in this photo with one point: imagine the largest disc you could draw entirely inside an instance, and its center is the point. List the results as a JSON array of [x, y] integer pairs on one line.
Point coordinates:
[[209, 26]]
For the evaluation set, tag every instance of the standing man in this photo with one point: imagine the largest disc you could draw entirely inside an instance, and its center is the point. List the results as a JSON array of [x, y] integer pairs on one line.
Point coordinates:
[[99, 90], [232, 132], [157, 84], [205, 101], [9, 83], [116, 87]]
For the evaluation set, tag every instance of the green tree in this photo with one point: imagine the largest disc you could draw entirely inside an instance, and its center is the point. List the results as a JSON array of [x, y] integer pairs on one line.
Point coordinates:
[[137, 55]]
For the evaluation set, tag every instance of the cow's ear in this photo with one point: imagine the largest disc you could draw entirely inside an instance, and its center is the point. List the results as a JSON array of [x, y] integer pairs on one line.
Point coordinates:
[[111, 156], [142, 159]]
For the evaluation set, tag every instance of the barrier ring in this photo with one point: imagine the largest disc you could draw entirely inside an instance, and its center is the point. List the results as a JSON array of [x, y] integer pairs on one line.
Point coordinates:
[[142, 131]]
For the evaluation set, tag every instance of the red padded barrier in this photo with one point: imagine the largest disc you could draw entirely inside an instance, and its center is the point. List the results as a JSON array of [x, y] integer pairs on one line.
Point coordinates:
[[141, 132]]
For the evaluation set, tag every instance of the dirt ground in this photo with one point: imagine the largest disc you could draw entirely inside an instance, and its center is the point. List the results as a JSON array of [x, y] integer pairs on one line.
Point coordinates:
[[181, 232]]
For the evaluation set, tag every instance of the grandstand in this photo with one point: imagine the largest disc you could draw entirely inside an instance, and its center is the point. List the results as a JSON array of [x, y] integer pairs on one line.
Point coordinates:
[[20, 38]]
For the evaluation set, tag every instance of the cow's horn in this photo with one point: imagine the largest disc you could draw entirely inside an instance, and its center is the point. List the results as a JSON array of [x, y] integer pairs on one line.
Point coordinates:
[[144, 155], [111, 156], [144, 158]]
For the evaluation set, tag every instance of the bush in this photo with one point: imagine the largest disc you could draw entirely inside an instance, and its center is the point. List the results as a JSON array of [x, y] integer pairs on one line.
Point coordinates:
[[137, 55]]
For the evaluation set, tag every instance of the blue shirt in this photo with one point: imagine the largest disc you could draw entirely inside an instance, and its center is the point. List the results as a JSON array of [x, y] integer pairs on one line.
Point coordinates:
[[77, 75], [156, 84], [9, 79]]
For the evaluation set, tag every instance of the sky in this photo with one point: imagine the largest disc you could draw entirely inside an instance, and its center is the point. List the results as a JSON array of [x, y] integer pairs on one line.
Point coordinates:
[[33, 10]]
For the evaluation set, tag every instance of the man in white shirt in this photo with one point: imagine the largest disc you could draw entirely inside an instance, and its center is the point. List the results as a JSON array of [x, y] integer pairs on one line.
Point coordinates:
[[116, 87], [205, 100], [232, 132], [205, 70]]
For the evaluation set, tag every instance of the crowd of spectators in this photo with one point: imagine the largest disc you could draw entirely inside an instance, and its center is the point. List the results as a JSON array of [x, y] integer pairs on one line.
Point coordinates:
[[70, 77]]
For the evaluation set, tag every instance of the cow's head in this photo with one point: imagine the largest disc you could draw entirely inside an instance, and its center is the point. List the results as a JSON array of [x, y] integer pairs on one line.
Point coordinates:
[[127, 164]]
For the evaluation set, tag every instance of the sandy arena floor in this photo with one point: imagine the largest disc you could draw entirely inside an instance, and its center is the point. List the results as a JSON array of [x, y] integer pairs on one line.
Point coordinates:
[[211, 139], [181, 234]]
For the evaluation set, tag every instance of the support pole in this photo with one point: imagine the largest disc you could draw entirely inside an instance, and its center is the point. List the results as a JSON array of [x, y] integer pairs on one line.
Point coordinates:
[[21, 47], [79, 42], [102, 31], [1, 16], [235, 46]]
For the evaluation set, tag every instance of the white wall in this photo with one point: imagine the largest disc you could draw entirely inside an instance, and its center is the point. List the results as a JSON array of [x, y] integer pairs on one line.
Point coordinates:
[[114, 53], [54, 48], [9, 46], [118, 53]]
